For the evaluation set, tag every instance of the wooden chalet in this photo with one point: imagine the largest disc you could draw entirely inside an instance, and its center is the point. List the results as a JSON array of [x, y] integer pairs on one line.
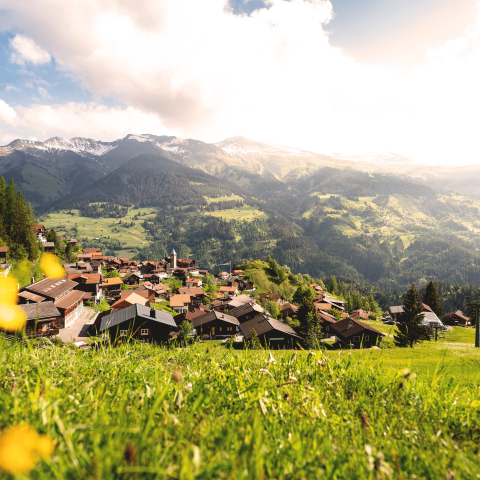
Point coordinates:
[[185, 263], [456, 318], [395, 311], [79, 267], [3, 254], [270, 296], [112, 284], [49, 247], [88, 283], [237, 273], [355, 334], [190, 315], [140, 323], [180, 303], [145, 291], [196, 293], [326, 321], [360, 314], [246, 285], [92, 251], [73, 242], [40, 231], [131, 299], [271, 333], [215, 325], [247, 312], [131, 278], [193, 282], [228, 291], [288, 310], [42, 317], [62, 292], [85, 257]]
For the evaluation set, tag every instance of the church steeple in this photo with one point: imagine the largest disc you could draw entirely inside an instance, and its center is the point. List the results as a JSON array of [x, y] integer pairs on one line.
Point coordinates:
[[173, 260]]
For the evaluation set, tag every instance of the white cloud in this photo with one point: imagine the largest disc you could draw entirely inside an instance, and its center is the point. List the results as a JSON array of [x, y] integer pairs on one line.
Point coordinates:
[[44, 94], [7, 113], [77, 119], [26, 50], [195, 69]]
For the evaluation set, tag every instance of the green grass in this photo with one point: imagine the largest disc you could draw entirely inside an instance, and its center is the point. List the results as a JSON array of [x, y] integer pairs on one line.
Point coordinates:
[[223, 198], [266, 284], [236, 415], [102, 227], [245, 212]]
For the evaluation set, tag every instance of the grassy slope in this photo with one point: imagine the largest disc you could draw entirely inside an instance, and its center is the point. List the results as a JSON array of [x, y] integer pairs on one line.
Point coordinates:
[[101, 227], [236, 415], [266, 284]]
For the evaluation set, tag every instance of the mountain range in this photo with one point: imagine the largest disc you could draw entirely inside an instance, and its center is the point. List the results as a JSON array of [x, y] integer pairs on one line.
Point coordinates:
[[46, 171]]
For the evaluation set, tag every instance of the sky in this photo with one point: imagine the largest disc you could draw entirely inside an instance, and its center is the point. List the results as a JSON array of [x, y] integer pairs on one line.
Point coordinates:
[[339, 76]]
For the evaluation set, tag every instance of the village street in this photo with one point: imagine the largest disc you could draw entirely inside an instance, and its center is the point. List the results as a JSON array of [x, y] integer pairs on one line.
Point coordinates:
[[78, 331]]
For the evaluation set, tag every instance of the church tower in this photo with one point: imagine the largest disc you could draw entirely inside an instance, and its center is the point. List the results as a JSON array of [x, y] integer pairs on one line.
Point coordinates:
[[173, 260]]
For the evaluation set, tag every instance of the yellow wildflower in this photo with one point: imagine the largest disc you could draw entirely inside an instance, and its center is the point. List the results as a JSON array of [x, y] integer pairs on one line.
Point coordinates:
[[12, 318], [21, 448], [8, 291], [51, 266]]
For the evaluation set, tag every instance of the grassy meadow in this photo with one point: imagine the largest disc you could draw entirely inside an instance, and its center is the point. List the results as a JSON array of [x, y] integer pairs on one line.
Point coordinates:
[[139, 411], [90, 228]]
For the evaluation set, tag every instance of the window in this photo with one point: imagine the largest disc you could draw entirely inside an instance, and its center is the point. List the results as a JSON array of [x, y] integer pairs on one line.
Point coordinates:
[[327, 328], [367, 338], [144, 331], [356, 338], [123, 333], [219, 329]]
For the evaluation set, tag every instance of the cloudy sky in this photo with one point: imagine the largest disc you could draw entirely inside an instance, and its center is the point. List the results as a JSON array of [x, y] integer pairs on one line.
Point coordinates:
[[348, 76]]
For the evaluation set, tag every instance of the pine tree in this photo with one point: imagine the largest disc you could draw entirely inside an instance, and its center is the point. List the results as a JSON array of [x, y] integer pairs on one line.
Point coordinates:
[[430, 298], [3, 186], [9, 207], [332, 285], [310, 323], [410, 329], [254, 341]]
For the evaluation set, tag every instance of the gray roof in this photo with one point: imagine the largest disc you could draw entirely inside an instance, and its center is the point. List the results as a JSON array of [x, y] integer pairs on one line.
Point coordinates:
[[136, 311], [40, 310], [247, 308], [173, 252], [263, 324], [213, 315], [51, 287]]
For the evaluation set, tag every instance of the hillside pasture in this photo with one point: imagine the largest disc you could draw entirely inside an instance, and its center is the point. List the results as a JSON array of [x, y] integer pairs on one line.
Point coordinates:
[[245, 212], [90, 228]]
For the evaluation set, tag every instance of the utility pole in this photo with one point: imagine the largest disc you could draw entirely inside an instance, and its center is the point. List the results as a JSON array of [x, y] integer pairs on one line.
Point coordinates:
[[475, 303]]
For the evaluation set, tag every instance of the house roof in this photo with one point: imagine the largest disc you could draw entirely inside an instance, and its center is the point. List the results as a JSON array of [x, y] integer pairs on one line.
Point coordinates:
[[286, 306], [136, 311], [193, 280], [327, 317], [269, 295], [356, 328], [247, 308], [179, 300], [49, 244], [84, 255], [91, 278], [91, 250], [132, 299], [51, 287], [3, 249], [429, 318], [40, 310], [263, 324], [109, 282], [191, 290], [457, 313], [31, 296], [399, 309], [69, 299], [211, 316], [228, 289]]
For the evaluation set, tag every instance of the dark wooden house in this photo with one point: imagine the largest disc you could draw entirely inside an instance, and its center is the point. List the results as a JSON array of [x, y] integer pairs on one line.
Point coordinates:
[[271, 333], [354, 334], [138, 322], [246, 312], [42, 317], [215, 325], [3, 254], [456, 318]]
